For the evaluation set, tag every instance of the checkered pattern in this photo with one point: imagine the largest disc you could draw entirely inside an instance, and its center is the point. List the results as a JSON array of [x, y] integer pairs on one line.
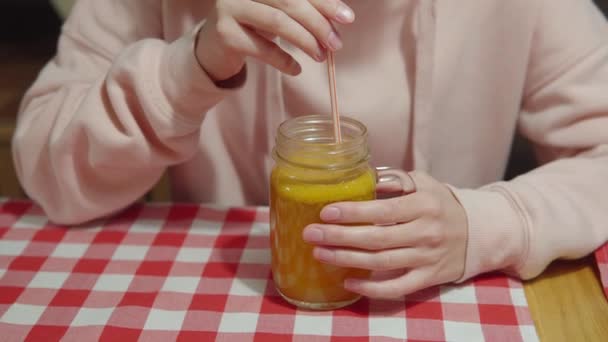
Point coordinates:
[[184, 272], [601, 255]]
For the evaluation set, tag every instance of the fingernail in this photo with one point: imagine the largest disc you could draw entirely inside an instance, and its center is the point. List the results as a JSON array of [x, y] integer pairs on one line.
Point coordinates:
[[312, 234], [321, 55], [323, 254], [334, 41], [344, 14], [295, 67], [330, 214]]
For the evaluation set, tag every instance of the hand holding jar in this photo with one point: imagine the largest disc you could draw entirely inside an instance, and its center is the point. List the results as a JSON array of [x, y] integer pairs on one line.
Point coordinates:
[[416, 240], [329, 233]]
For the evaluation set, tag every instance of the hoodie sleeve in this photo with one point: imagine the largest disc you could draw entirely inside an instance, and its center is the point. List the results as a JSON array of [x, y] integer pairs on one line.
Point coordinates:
[[559, 210], [113, 109]]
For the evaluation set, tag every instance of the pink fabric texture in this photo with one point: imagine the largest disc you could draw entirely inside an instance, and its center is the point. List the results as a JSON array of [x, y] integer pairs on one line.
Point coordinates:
[[441, 85]]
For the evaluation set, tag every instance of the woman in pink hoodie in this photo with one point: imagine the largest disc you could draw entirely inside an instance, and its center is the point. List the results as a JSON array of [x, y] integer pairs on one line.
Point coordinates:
[[198, 88]]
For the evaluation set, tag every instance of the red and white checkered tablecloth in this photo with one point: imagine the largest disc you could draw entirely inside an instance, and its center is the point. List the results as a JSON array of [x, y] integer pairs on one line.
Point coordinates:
[[601, 256], [184, 272]]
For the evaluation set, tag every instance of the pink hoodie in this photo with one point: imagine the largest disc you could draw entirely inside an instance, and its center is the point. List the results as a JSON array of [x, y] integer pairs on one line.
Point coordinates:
[[442, 86]]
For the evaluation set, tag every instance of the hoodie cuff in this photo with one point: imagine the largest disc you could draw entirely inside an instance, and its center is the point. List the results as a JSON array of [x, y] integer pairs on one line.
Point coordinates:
[[497, 238], [187, 88]]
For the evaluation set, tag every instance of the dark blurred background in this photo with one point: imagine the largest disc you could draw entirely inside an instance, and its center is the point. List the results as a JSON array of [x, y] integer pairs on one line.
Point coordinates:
[[28, 35]]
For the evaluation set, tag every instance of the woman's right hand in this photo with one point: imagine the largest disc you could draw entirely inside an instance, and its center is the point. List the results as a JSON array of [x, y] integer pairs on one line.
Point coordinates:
[[237, 29]]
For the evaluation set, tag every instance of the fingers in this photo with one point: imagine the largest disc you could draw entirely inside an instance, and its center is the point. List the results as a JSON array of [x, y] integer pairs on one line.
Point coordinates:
[[315, 30], [277, 22], [315, 16], [389, 187], [247, 42], [371, 238], [335, 10], [391, 288], [241, 28], [385, 211], [376, 261], [397, 178]]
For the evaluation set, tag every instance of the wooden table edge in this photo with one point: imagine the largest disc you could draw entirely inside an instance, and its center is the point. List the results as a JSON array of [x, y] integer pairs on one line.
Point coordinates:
[[567, 302]]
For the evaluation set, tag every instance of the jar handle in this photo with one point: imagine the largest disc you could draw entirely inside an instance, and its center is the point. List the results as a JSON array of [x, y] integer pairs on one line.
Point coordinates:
[[391, 180]]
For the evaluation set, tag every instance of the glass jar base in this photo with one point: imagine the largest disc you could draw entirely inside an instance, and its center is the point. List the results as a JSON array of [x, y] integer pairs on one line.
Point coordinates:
[[319, 306]]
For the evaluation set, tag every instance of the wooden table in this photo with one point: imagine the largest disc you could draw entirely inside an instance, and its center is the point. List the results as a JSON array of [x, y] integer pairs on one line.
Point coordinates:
[[567, 302]]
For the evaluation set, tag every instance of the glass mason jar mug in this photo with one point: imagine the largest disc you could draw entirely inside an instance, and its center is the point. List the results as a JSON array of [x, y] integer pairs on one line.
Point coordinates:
[[311, 171]]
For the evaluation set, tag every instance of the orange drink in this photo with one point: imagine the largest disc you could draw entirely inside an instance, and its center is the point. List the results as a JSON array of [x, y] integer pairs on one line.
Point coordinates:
[[311, 172]]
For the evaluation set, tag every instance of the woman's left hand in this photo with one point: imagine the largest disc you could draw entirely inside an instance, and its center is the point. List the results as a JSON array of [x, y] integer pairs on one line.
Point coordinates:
[[415, 241]]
